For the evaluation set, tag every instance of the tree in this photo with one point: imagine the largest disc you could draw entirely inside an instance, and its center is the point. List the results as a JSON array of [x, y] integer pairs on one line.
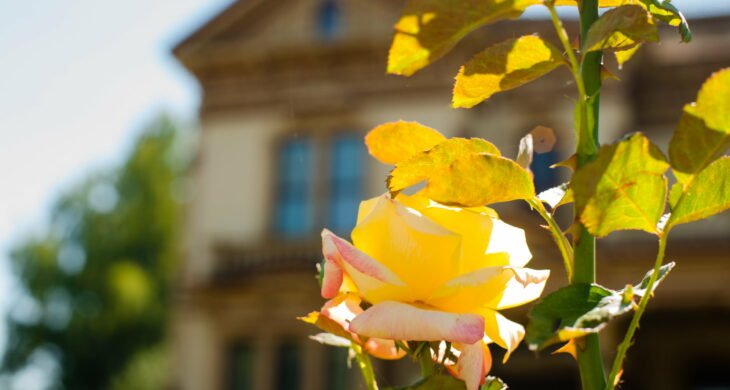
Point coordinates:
[[100, 274]]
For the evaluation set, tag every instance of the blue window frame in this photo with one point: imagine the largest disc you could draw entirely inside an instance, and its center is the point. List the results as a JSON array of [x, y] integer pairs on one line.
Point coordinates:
[[346, 176], [295, 209]]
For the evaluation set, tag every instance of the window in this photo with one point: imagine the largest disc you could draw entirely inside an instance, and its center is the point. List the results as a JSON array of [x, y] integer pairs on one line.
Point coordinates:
[[328, 20], [288, 369], [545, 177], [347, 157], [241, 367], [294, 204], [337, 371], [331, 167]]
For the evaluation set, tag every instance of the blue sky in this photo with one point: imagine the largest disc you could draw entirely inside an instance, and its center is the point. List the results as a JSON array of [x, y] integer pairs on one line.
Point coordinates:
[[79, 78]]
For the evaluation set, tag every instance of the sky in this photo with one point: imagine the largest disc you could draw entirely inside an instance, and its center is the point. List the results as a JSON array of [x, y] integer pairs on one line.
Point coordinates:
[[79, 79]]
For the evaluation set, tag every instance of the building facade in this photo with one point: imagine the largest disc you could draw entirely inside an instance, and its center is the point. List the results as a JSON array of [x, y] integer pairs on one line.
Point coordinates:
[[289, 89]]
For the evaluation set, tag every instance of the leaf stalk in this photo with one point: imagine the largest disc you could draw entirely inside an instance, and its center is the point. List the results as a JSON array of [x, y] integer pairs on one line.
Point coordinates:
[[628, 337]]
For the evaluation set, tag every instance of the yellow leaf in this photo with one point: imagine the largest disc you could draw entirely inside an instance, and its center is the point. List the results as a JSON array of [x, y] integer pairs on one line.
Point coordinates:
[[428, 29], [480, 179], [393, 142], [623, 56], [423, 166], [621, 28], [703, 133], [504, 66], [624, 188], [708, 194]]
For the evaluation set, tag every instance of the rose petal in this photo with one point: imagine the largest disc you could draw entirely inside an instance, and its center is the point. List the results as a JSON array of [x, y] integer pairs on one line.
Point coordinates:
[[332, 280], [475, 225], [474, 363], [492, 287], [506, 238], [422, 253], [383, 349], [400, 321], [373, 281], [526, 286], [507, 334]]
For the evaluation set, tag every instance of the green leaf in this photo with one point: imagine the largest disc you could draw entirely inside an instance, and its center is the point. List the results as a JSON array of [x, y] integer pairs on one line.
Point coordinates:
[[708, 194], [494, 383], [424, 165], [624, 188], [394, 142], [480, 179], [571, 312], [703, 133], [580, 309], [435, 382], [666, 12], [620, 29], [428, 29], [557, 196], [504, 66], [640, 289]]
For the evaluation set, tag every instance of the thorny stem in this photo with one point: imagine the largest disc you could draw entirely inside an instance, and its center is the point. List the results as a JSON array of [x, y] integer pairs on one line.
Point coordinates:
[[587, 76], [626, 343]]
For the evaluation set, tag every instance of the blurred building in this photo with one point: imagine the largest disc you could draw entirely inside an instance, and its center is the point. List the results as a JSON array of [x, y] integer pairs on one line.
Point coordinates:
[[289, 89]]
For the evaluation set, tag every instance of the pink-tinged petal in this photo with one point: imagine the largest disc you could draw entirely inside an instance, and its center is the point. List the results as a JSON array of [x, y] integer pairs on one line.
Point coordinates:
[[383, 349], [361, 273], [338, 250], [474, 363], [332, 280], [507, 334], [400, 321], [526, 286]]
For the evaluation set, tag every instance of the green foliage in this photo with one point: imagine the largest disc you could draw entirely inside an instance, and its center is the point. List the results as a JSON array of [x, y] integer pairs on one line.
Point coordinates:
[[624, 188], [504, 66], [581, 309], [708, 194], [621, 28], [702, 137], [481, 179], [394, 142], [101, 273], [494, 383], [666, 12], [431, 163], [428, 29]]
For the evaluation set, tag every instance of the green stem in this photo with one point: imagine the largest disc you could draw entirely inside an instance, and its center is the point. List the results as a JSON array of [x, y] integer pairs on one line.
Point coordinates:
[[566, 251], [366, 368], [590, 362], [425, 362], [565, 40], [626, 343]]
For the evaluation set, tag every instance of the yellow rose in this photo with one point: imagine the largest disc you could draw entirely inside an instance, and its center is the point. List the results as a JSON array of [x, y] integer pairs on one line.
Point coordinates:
[[433, 273]]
